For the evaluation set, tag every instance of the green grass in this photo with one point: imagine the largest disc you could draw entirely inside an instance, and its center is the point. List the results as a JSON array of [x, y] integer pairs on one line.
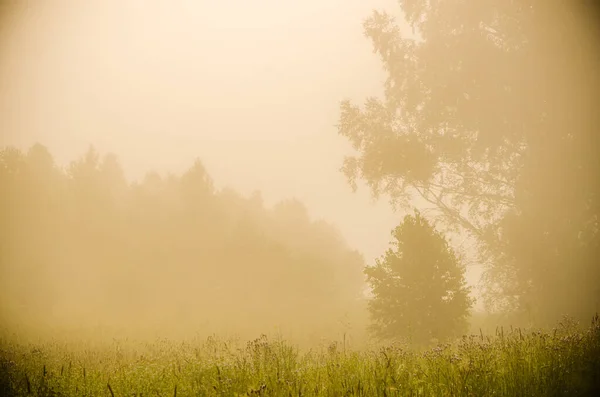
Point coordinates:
[[565, 361]]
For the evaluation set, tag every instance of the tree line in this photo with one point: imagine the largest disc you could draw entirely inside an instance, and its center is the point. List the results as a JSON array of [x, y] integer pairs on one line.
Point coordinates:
[[170, 251]]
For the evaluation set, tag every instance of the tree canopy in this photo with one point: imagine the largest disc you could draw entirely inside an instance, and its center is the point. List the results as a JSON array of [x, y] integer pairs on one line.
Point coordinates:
[[488, 116]]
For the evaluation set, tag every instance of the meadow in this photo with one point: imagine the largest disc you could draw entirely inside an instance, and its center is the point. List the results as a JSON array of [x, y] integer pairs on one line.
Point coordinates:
[[564, 361]]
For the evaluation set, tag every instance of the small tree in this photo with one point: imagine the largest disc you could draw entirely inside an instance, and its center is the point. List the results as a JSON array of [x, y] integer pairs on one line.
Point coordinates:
[[419, 287]]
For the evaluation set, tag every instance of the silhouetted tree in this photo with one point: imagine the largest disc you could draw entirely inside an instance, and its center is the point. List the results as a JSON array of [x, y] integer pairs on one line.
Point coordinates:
[[419, 289], [488, 111]]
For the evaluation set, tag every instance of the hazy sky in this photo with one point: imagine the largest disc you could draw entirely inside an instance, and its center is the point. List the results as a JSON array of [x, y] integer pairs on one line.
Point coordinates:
[[252, 88]]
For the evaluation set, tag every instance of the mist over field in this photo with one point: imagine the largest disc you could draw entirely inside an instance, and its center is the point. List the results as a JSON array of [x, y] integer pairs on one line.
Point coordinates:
[[187, 168], [299, 198]]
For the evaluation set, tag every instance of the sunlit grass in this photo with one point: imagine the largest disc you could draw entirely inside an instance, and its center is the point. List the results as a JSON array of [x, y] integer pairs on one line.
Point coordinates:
[[514, 362]]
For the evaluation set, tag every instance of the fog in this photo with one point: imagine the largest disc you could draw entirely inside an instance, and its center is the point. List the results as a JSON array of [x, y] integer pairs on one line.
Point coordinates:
[[252, 90]]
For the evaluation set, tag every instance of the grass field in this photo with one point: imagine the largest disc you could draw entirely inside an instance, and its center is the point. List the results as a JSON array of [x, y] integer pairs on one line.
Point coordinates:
[[561, 362]]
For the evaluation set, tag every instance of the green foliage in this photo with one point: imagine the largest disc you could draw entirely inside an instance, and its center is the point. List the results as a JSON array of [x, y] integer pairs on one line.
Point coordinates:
[[419, 289], [564, 362]]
